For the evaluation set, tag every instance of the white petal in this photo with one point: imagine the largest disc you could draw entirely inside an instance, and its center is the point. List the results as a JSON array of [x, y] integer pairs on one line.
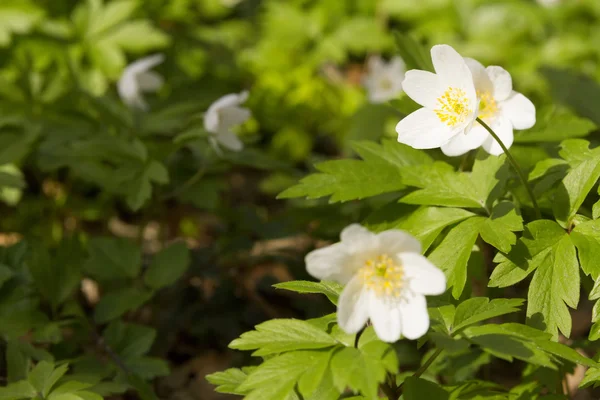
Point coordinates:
[[397, 65], [414, 317], [453, 71], [480, 76], [230, 140], [462, 143], [211, 117], [329, 263], [423, 87], [501, 80], [150, 81], [396, 241], [232, 116], [422, 276], [375, 64], [519, 110], [358, 239], [423, 130], [144, 64], [385, 318], [129, 90], [353, 306], [503, 128]]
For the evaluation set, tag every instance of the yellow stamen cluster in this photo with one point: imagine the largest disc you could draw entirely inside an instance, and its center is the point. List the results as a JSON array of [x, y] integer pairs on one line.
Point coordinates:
[[385, 83], [487, 106], [453, 107], [382, 275]]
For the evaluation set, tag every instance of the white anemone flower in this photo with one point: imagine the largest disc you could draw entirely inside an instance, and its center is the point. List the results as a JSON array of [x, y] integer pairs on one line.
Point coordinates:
[[384, 80], [137, 78], [224, 114], [500, 107], [386, 279], [448, 97]]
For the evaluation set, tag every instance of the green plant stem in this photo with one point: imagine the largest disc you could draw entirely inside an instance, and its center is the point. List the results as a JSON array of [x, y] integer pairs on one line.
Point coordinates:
[[187, 184], [423, 368], [515, 166]]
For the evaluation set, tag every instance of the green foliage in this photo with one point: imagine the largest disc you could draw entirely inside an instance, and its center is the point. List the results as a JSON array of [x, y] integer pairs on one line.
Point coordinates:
[[330, 289]]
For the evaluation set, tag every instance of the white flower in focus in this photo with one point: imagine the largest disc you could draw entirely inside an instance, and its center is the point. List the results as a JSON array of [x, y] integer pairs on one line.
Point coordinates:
[[448, 98], [386, 279], [224, 114], [384, 80], [137, 78], [500, 107]]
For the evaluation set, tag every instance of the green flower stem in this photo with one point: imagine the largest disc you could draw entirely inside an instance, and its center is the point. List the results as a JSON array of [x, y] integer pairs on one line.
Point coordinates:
[[515, 166], [423, 368]]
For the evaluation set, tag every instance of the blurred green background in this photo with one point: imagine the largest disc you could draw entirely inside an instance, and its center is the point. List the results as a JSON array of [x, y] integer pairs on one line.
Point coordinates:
[[76, 164]]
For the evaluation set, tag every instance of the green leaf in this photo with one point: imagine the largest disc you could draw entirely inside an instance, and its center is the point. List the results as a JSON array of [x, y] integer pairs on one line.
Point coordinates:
[[555, 285], [44, 376], [574, 189], [579, 92], [113, 258], [418, 389], [531, 251], [586, 237], [442, 186], [111, 15], [498, 229], [352, 368], [167, 266], [129, 340], [277, 376], [425, 224], [138, 36], [18, 390], [280, 335], [556, 125], [454, 252], [140, 189], [114, 304], [479, 309], [345, 180], [413, 53], [329, 288], [228, 381], [17, 17], [17, 362]]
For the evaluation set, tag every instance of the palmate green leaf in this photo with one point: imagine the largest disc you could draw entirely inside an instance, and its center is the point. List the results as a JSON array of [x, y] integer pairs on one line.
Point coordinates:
[[533, 339], [498, 229], [280, 335], [116, 303], [575, 186], [167, 266], [586, 237], [424, 223], [478, 309], [140, 188], [44, 376], [362, 369], [276, 378], [418, 389], [17, 391], [442, 186], [555, 125], [228, 381], [113, 258], [453, 253], [555, 285], [531, 250], [329, 288], [343, 180]]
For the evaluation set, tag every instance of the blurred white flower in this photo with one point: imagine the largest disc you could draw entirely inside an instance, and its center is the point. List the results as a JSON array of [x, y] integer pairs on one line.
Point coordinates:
[[224, 114], [448, 98], [384, 80], [386, 280], [137, 78], [548, 3], [500, 107]]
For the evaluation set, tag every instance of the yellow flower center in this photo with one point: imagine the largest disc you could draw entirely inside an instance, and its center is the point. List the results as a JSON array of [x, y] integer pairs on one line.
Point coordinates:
[[453, 107], [487, 105], [385, 84], [382, 275]]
